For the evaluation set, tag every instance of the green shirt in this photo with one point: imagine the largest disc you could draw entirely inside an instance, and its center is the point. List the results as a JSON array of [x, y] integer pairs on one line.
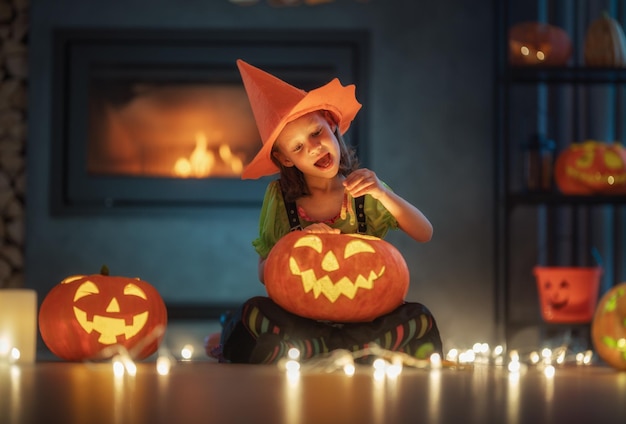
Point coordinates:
[[273, 222]]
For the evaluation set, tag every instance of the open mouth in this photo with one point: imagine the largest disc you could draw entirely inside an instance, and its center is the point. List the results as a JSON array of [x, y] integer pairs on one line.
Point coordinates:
[[324, 162]]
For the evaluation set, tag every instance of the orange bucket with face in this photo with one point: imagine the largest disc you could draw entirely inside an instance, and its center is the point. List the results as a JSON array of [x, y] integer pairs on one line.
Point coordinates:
[[568, 294]]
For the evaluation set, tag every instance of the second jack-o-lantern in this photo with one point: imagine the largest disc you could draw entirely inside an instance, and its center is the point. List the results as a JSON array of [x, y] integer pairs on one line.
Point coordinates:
[[608, 329], [336, 277], [591, 167], [538, 44], [84, 314]]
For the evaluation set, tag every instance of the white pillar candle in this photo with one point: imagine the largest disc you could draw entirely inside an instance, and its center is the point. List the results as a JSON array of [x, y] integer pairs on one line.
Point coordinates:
[[18, 325]]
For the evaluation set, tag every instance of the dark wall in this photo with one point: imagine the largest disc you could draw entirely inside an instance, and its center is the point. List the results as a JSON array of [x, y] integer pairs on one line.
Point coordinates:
[[429, 117]]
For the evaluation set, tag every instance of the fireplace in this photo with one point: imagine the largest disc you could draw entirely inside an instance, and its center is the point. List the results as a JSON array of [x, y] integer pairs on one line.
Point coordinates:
[[160, 119]]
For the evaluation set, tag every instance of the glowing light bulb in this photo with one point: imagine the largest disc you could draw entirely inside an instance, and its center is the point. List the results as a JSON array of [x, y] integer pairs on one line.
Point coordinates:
[[163, 365], [349, 369], [467, 357], [186, 352], [452, 355], [293, 353], [549, 371], [118, 367], [15, 354], [292, 366], [514, 366], [534, 357], [435, 361], [379, 364], [131, 367], [394, 370]]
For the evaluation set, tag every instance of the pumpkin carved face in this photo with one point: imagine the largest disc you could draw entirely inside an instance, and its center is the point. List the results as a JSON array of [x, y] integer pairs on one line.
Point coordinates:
[[84, 314], [608, 329], [567, 294], [538, 44], [336, 277], [591, 167]]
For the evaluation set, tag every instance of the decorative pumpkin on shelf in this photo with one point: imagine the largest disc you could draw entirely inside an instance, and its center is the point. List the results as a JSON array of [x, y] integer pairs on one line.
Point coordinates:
[[608, 329], [85, 314], [591, 167], [336, 277], [605, 45], [536, 43]]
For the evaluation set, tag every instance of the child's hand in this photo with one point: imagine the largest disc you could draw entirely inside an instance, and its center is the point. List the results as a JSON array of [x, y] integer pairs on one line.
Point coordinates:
[[364, 181], [321, 228]]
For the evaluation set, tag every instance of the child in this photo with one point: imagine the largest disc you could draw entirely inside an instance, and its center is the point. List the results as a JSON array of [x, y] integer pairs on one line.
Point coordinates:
[[319, 179]]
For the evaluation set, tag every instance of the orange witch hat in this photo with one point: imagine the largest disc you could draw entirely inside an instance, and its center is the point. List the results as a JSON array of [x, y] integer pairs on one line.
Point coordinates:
[[275, 103]]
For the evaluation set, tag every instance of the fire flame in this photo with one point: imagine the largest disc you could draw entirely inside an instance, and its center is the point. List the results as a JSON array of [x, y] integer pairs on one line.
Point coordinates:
[[203, 162]]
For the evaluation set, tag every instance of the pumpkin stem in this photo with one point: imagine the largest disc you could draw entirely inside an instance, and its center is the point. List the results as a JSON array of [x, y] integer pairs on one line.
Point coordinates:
[[104, 270]]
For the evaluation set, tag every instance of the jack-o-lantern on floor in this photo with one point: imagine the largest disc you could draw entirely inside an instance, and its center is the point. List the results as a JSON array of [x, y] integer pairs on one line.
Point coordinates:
[[591, 167], [84, 314], [336, 277], [608, 329]]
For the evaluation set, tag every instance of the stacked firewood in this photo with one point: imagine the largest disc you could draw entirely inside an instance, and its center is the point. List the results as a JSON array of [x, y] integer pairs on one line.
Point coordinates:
[[13, 116]]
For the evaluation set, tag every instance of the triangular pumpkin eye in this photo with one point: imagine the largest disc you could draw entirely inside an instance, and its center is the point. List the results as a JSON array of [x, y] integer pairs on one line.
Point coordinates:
[[357, 246], [133, 290], [86, 289]]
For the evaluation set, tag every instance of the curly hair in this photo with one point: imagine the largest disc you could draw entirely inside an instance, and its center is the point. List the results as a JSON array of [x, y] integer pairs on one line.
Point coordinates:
[[292, 181]]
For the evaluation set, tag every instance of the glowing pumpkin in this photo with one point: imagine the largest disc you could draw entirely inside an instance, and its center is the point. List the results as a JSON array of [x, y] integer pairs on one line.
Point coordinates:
[[608, 329], [85, 314], [592, 167], [336, 277], [536, 43]]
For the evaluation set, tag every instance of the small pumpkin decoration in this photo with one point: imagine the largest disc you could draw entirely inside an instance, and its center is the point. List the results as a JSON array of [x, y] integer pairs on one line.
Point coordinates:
[[336, 277], [605, 44], [608, 329], [567, 294], [536, 43], [591, 167], [85, 314]]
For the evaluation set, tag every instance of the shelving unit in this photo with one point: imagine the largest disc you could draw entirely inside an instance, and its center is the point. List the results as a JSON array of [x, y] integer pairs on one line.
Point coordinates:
[[565, 104]]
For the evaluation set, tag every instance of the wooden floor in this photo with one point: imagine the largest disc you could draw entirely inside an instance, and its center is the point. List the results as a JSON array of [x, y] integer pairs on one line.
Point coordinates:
[[208, 392]]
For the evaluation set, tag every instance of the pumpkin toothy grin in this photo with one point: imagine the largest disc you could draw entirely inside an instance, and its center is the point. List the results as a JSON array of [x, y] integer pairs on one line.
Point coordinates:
[[109, 328], [328, 288]]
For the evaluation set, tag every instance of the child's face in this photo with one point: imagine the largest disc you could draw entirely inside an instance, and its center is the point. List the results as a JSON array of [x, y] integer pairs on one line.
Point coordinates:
[[309, 144]]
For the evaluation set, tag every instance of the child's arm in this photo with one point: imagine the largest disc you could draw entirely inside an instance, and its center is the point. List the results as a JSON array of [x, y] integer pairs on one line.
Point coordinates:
[[410, 219]]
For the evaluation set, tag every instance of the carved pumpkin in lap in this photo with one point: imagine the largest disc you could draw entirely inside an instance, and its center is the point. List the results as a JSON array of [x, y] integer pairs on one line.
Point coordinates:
[[336, 277], [84, 314]]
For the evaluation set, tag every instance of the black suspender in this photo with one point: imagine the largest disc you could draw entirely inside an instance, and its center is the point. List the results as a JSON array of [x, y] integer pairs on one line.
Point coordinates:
[[292, 214], [360, 214], [294, 219]]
